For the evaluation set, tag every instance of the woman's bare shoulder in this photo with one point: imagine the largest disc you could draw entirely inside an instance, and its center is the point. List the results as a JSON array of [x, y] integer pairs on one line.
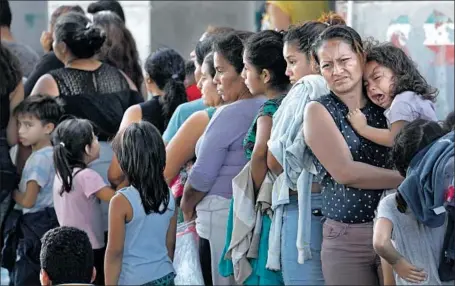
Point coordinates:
[[47, 85]]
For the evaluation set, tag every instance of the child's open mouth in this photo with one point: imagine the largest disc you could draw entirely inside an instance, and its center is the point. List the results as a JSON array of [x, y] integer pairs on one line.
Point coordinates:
[[379, 98]]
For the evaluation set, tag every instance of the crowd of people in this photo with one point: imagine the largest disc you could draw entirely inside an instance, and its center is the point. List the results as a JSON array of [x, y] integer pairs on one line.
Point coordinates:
[[303, 154]]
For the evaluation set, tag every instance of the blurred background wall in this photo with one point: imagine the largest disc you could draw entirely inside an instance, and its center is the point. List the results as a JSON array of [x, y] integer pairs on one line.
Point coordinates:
[[422, 28]]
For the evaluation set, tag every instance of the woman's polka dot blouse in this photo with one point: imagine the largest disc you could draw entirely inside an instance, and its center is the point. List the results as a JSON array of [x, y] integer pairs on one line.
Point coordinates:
[[342, 203]]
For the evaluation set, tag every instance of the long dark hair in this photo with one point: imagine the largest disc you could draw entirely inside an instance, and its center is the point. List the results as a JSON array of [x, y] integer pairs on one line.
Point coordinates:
[[70, 139], [230, 46], [411, 139], [142, 157], [203, 48], [264, 50], [166, 68], [406, 75], [111, 6], [119, 49], [11, 74]]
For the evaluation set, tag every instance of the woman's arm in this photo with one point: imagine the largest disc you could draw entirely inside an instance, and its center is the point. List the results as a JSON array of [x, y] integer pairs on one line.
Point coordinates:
[[15, 98], [331, 149], [46, 85], [191, 197], [171, 235], [273, 164], [218, 137], [118, 210], [181, 147], [132, 115], [260, 151], [46, 64]]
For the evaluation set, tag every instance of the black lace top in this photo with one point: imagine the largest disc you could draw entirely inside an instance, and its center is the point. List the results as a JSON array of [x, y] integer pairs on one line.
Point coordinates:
[[340, 202], [101, 96]]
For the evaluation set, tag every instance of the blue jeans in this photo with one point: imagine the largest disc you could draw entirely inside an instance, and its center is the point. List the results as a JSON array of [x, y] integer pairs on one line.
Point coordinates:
[[309, 273], [167, 280]]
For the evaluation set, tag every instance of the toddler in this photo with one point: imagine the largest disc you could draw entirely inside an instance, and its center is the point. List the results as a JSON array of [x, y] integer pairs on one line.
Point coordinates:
[[77, 189], [393, 82]]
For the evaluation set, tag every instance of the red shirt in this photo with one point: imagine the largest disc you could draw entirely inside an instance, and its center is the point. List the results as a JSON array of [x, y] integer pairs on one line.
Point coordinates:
[[193, 93]]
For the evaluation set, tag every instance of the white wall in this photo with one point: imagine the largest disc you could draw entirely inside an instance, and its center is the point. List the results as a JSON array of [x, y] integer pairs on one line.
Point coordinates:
[[176, 24], [29, 20]]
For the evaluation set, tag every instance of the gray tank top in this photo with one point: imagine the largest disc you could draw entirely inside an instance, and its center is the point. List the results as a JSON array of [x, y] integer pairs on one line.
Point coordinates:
[[145, 256]]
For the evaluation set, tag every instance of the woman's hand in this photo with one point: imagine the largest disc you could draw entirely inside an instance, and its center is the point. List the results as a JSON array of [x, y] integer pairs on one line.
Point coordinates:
[[409, 272], [357, 119], [46, 41]]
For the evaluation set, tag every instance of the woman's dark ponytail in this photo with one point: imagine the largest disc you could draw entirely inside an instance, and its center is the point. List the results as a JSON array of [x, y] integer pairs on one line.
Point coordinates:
[[70, 139], [166, 68], [174, 95]]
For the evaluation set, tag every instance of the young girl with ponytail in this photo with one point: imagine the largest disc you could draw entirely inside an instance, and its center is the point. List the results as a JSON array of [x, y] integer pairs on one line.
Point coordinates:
[[79, 189], [420, 242]]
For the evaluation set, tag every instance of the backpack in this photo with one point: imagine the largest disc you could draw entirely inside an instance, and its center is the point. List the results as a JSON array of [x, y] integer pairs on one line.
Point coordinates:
[[446, 268]]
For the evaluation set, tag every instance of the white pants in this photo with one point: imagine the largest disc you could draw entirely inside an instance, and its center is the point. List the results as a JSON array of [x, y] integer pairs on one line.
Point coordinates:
[[212, 215]]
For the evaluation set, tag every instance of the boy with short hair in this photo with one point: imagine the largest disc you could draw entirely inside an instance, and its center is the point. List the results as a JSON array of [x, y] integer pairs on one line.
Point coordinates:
[[34, 212], [37, 117], [66, 257]]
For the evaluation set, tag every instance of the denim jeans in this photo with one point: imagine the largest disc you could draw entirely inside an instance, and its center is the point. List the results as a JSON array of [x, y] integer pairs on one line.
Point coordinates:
[[167, 280], [309, 273]]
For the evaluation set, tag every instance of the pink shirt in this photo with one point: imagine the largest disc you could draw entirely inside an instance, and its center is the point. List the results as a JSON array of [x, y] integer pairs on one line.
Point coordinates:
[[80, 208]]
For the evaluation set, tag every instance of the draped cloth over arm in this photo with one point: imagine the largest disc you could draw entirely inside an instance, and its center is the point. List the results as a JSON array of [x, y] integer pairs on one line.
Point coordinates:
[[287, 144], [247, 221]]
